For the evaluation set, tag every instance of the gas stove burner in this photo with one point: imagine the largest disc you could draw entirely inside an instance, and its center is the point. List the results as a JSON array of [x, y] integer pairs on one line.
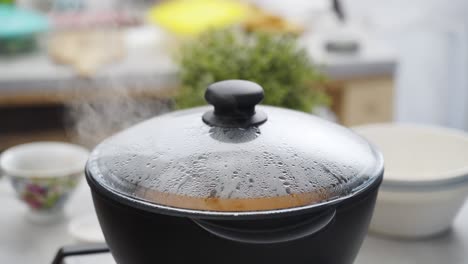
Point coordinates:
[[66, 254]]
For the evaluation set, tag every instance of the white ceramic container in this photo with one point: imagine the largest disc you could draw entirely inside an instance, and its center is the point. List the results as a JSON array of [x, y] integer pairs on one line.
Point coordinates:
[[44, 174], [425, 181]]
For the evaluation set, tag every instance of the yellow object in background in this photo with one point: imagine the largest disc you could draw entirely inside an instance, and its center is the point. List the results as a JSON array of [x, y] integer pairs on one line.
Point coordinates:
[[191, 17]]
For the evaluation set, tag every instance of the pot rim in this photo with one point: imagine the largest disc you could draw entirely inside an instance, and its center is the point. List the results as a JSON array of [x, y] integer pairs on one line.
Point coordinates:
[[217, 215]]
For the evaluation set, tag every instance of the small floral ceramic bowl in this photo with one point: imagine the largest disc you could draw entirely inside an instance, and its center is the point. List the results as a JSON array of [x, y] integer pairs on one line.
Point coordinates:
[[44, 174]]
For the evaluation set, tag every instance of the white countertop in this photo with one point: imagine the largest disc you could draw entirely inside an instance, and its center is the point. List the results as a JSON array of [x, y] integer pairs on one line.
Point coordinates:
[[373, 58], [37, 71], [22, 242], [153, 67]]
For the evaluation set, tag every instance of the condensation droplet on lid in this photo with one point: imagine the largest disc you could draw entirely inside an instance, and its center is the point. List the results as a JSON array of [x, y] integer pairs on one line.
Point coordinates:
[[213, 193]]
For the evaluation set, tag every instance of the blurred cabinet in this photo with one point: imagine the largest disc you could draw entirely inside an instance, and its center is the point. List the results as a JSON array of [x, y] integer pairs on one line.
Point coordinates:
[[8, 140], [361, 84], [35, 93], [363, 100], [31, 123]]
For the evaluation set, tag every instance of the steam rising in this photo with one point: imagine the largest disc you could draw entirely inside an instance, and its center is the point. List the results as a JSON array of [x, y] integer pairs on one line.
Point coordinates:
[[111, 97], [103, 112]]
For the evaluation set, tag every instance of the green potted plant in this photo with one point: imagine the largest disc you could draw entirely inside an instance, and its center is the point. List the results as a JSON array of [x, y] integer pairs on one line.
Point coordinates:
[[275, 61]]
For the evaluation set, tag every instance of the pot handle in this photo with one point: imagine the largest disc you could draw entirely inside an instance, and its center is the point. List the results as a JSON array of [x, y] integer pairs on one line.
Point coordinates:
[[87, 249], [296, 231]]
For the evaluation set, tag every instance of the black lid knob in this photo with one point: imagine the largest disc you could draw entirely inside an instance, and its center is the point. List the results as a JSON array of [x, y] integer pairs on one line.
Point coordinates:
[[234, 104]]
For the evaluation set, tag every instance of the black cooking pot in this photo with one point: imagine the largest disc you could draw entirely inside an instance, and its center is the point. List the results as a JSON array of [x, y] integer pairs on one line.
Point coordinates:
[[238, 184]]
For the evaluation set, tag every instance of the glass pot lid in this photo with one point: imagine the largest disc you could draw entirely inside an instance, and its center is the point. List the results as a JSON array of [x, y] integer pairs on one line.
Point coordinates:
[[237, 157]]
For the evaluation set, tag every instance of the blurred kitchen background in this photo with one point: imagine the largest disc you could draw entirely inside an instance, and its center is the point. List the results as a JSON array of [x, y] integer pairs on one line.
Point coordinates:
[[80, 70]]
